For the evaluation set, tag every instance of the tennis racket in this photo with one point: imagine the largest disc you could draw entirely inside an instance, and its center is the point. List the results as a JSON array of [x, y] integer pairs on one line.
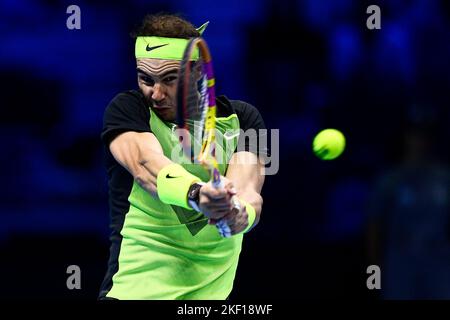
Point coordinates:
[[196, 113]]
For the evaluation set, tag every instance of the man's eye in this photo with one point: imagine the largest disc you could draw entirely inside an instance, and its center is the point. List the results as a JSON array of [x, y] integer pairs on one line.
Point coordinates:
[[170, 79], [149, 81]]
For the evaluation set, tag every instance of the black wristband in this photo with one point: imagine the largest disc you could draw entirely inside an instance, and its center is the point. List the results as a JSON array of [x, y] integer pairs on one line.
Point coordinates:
[[194, 195]]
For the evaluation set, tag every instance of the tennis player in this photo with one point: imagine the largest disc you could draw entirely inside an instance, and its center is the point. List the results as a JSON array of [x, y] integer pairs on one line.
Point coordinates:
[[170, 248]]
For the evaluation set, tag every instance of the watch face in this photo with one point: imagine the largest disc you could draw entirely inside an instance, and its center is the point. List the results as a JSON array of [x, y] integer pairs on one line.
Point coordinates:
[[194, 191]]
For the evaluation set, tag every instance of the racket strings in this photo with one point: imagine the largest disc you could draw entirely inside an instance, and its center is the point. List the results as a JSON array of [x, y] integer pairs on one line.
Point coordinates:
[[197, 112], [193, 100]]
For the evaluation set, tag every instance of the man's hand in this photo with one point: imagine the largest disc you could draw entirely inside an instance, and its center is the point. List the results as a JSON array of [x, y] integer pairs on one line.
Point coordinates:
[[237, 220], [216, 203]]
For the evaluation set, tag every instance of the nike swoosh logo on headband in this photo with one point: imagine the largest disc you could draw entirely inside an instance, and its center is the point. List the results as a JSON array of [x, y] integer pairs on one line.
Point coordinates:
[[148, 48]]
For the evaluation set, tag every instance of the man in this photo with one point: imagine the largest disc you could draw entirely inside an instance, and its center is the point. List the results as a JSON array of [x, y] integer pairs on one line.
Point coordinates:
[[161, 247], [409, 219]]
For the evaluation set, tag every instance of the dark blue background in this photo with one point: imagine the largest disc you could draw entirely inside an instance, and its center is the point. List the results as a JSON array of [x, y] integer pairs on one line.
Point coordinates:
[[306, 65]]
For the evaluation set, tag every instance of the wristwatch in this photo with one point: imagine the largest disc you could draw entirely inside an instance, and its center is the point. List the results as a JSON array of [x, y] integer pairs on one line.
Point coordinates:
[[194, 195]]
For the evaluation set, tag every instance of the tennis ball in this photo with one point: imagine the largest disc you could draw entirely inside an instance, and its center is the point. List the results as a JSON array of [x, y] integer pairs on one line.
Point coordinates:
[[328, 144]]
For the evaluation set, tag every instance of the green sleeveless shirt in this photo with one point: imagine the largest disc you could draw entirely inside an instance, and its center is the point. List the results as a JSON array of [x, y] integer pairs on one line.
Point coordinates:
[[168, 252]]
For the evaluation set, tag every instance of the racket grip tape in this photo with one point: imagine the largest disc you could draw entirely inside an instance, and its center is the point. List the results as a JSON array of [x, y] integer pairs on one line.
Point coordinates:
[[224, 229]]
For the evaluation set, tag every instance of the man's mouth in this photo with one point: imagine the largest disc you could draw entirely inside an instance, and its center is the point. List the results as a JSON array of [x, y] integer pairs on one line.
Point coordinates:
[[161, 106], [162, 109]]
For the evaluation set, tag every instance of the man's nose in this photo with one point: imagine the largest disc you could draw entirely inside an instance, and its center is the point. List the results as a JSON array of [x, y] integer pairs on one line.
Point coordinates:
[[158, 93]]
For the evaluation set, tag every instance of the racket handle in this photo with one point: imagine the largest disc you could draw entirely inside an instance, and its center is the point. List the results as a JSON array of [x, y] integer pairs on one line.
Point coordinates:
[[216, 181], [236, 203], [223, 228]]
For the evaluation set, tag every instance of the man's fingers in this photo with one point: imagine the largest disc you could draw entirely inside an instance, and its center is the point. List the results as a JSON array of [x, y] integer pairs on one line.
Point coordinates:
[[217, 214], [230, 188], [230, 219], [215, 194], [236, 222], [216, 206]]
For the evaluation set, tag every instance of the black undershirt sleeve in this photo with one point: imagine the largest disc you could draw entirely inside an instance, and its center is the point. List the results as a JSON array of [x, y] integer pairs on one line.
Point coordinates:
[[126, 112], [254, 135]]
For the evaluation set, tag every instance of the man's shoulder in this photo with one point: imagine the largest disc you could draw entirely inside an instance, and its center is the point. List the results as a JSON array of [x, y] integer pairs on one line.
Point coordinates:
[[128, 102], [128, 96], [127, 111], [226, 107]]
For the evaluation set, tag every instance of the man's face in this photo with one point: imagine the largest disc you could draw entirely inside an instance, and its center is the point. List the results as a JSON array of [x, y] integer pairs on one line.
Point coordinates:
[[157, 80]]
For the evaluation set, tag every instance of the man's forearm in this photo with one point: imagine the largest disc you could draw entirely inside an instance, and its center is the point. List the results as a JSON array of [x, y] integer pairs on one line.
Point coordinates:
[[141, 155], [147, 171], [255, 200], [245, 172]]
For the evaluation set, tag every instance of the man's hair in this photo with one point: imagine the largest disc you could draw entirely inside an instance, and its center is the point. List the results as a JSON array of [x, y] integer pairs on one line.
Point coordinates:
[[165, 25]]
